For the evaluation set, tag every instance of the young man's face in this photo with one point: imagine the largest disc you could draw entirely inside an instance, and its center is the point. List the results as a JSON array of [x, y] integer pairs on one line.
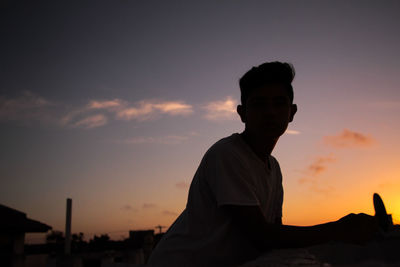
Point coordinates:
[[268, 111]]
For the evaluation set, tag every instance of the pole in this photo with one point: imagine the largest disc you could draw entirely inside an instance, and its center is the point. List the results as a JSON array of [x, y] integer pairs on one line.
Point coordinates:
[[67, 250]]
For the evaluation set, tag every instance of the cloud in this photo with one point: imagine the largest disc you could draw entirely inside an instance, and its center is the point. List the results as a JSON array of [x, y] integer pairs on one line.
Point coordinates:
[[293, 132], [25, 108], [149, 206], [349, 139], [67, 119], [221, 110], [311, 173], [92, 121], [29, 107], [162, 140], [174, 108], [345, 139], [122, 110], [105, 104], [319, 165], [169, 213], [129, 208], [182, 185], [148, 109], [74, 117]]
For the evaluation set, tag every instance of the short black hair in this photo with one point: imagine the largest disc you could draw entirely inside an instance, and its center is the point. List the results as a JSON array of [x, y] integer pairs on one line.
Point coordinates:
[[264, 74]]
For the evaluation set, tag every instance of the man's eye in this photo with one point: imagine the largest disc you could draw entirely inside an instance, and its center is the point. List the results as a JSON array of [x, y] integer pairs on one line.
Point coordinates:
[[259, 104], [280, 101]]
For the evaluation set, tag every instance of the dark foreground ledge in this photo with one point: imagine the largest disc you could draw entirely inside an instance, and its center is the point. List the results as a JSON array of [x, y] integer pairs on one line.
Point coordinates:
[[384, 252]]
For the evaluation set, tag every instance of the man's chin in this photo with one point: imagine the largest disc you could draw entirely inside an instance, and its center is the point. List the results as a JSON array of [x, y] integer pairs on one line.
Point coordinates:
[[272, 135]]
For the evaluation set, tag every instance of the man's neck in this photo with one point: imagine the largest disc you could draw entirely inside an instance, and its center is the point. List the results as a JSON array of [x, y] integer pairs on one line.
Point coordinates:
[[261, 146]]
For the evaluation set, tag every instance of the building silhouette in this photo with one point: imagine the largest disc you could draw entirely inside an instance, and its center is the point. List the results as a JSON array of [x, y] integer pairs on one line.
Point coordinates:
[[13, 226]]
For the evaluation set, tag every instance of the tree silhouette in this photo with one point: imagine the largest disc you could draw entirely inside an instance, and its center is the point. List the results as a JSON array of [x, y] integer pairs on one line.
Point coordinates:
[[78, 238], [56, 237]]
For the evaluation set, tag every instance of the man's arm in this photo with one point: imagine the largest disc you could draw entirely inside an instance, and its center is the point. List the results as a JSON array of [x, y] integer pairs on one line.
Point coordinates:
[[352, 228]]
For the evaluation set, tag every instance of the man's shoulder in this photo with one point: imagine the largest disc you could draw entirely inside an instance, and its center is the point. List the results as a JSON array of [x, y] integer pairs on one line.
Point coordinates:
[[275, 166], [224, 145], [274, 160]]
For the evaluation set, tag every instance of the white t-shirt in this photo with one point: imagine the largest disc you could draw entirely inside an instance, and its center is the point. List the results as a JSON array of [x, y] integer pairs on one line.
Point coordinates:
[[230, 173]]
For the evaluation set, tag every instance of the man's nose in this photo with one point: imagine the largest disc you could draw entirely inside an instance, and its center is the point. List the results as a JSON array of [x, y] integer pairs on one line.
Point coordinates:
[[269, 109]]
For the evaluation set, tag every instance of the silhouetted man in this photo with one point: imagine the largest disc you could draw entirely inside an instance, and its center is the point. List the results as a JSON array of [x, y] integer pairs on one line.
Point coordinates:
[[234, 208]]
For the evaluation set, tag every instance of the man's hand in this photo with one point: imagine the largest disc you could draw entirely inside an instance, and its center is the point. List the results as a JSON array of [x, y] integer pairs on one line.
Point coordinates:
[[355, 228]]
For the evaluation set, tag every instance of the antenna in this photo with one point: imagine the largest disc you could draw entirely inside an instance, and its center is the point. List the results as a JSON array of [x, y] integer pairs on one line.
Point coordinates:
[[159, 227]]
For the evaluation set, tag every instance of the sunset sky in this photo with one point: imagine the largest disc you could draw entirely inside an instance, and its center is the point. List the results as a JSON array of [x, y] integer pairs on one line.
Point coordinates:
[[114, 103]]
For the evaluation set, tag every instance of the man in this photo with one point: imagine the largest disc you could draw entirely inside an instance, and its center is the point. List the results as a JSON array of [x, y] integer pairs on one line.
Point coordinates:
[[234, 208]]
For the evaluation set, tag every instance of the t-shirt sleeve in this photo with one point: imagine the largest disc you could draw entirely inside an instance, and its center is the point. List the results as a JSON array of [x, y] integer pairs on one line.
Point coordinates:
[[279, 193], [229, 180], [278, 207]]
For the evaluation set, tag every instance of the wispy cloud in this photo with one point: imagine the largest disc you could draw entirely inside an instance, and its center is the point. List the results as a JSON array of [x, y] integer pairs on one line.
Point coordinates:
[[78, 117], [69, 117], [174, 108], [293, 132], [28, 107], [148, 109], [149, 206], [129, 208], [349, 139], [25, 108], [121, 110], [182, 185], [105, 104], [320, 164], [162, 140], [221, 110], [169, 213], [98, 112], [313, 171], [92, 121], [345, 139]]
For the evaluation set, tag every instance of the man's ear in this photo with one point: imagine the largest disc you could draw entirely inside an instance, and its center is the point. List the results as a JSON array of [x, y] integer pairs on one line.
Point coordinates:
[[293, 110], [242, 113]]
